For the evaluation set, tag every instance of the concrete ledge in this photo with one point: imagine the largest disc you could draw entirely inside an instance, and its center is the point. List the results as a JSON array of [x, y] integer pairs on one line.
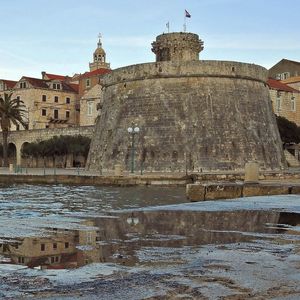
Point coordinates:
[[214, 191], [295, 189], [250, 190], [95, 180], [223, 191], [195, 192]]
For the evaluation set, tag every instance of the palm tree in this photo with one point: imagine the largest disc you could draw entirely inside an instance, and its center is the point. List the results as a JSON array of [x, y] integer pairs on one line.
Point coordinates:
[[11, 111]]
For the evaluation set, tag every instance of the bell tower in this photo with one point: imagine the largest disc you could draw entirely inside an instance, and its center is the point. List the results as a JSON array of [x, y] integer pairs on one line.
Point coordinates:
[[99, 57]]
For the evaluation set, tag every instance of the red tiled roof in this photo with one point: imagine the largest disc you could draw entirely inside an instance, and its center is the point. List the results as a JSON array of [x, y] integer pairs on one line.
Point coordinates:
[[41, 83], [278, 85], [74, 86], [71, 87], [9, 83], [36, 82], [54, 76], [95, 72]]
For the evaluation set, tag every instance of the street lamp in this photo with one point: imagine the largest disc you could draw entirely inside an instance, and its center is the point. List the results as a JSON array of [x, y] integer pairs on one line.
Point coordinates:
[[133, 130]]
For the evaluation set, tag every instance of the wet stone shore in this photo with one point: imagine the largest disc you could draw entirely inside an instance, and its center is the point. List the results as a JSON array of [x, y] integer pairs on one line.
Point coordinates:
[[110, 243]]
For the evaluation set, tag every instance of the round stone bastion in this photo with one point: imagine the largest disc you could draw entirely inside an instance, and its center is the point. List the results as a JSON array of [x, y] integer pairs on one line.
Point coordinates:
[[193, 116]]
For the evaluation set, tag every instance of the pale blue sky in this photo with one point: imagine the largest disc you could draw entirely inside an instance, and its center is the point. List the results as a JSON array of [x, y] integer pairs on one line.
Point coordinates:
[[59, 36]]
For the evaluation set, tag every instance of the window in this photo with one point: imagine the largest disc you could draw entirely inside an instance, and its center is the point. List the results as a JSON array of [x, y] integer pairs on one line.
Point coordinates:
[[54, 246], [56, 86], [21, 260], [1, 86], [22, 85], [66, 245], [293, 104], [89, 238], [68, 100], [43, 247], [44, 98], [55, 113], [67, 114], [44, 112], [278, 103], [56, 99], [52, 259], [87, 83], [90, 105], [285, 75], [56, 259]]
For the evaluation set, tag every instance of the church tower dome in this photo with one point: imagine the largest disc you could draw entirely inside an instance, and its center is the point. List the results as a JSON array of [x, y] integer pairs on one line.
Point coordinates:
[[99, 58]]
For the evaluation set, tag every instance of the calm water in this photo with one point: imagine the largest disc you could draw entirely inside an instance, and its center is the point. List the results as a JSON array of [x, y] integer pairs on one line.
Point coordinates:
[[50, 200], [140, 242], [70, 226]]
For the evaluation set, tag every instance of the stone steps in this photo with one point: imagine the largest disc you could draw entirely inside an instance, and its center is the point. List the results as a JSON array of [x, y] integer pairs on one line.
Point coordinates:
[[291, 159]]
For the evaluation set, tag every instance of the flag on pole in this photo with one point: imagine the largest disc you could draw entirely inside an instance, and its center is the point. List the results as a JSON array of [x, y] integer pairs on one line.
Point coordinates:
[[187, 14]]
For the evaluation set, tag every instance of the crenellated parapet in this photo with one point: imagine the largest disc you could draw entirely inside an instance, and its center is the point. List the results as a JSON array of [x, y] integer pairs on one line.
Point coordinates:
[[186, 69], [177, 46]]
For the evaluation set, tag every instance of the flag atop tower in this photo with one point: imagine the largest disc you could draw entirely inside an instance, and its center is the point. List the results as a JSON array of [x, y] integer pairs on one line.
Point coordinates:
[[187, 14]]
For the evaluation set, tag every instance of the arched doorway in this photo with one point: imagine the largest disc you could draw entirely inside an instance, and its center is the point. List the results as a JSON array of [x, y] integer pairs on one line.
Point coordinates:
[[25, 157], [12, 153], [1, 155]]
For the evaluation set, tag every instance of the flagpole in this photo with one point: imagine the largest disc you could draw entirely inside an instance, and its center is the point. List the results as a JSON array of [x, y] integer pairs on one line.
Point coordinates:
[[184, 22]]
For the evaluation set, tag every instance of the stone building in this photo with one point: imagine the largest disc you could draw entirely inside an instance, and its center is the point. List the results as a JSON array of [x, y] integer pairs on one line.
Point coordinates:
[[285, 100], [6, 86], [285, 69], [193, 115], [50, 102], [293, 82], [90, 92]]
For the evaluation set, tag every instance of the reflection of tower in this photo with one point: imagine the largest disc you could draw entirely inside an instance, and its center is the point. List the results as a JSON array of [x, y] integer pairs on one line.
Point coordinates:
[[99, 58]]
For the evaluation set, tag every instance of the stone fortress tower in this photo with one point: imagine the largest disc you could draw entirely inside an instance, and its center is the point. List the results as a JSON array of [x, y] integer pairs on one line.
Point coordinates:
[[193, 115]]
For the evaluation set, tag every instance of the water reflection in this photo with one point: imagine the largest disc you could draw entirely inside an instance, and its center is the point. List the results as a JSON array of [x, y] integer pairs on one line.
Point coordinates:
[[42, 200], [118, 237]]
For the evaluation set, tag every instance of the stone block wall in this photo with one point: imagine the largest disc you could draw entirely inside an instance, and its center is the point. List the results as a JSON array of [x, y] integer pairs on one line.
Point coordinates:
[[18, 138], [287, 109], [193, 115]]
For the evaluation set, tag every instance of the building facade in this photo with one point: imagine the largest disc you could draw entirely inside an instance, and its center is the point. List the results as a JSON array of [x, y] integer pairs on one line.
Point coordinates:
[[90, 92], [50, 102], [285, 69], [285, 100], [293, 82], [6, 86]]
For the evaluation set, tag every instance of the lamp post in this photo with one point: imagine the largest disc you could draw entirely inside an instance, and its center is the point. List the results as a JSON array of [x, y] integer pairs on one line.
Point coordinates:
[[133, 130]]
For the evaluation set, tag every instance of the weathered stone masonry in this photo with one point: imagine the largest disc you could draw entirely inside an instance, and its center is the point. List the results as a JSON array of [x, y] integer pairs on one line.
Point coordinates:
[[194, 115], [19, 138]]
